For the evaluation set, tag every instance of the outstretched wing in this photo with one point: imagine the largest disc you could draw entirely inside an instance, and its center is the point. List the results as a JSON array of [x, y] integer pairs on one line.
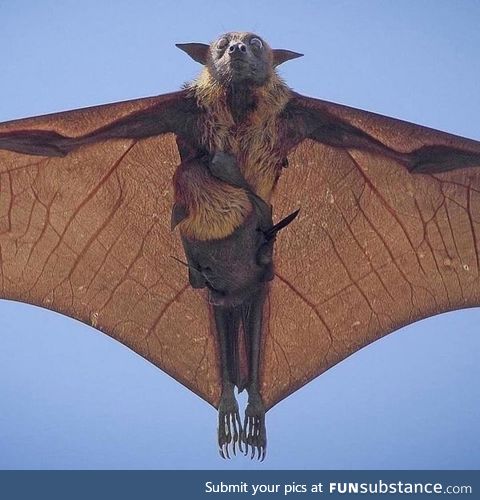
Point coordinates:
[[374, 248], [88, 235]]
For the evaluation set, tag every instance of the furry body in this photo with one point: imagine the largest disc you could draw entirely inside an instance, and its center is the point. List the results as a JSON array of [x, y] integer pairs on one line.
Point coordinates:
[[214, 209]]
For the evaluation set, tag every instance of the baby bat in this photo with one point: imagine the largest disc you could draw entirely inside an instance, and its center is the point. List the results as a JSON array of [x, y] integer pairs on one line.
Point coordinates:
[[387, 234]]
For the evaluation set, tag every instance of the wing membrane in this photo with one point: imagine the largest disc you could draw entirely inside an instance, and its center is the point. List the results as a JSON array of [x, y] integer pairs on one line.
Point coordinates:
[[88, 235], [373, 249]]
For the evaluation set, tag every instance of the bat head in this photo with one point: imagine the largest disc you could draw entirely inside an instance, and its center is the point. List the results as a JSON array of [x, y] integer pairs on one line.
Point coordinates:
[[239, 57]]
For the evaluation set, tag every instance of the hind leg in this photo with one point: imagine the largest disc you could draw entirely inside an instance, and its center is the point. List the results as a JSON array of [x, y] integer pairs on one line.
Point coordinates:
[[229, 424], [255, 433]]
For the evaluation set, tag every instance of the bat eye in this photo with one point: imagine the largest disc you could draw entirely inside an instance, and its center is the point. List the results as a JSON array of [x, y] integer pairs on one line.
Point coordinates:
[[222, 43], [256, 42]]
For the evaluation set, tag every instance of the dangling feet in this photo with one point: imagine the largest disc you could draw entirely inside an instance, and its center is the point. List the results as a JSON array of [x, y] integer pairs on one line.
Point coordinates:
[[230, 431], [254, 431], [229, 424]]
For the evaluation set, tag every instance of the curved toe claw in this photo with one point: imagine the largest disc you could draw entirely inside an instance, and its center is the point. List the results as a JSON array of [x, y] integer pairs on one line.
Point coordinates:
[[229, 428], [255, 433]]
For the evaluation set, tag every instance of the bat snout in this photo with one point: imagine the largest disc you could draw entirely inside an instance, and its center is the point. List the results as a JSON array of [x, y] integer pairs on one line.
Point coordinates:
[[237, 49]]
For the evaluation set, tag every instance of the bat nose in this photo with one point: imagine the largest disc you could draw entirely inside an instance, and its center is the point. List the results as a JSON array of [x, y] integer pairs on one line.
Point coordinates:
[[237, 48]]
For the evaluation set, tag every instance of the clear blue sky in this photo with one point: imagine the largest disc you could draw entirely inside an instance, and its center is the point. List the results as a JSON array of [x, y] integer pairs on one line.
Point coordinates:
[[72, 397]]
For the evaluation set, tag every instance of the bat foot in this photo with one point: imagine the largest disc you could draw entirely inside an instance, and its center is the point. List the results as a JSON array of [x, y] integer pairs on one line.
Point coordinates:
[[229, 426], [255, 433]]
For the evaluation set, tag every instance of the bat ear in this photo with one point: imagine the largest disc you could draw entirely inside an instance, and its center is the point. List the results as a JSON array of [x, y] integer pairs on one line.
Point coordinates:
[[197, 51], [282, 55]]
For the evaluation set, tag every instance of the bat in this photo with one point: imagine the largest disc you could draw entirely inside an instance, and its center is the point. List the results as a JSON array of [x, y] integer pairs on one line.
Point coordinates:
[[387, 232]]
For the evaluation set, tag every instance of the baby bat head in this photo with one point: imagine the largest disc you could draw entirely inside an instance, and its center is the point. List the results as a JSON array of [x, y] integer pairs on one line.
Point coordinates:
[[239, 58]]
